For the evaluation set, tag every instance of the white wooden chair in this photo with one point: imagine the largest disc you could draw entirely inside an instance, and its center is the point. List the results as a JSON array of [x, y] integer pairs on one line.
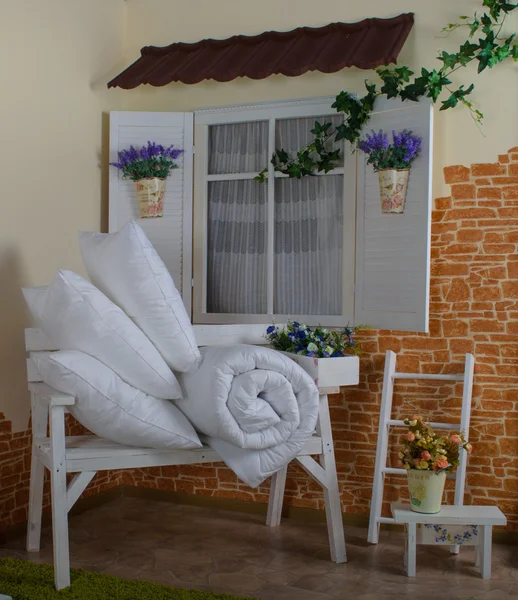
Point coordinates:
[[85, 455]]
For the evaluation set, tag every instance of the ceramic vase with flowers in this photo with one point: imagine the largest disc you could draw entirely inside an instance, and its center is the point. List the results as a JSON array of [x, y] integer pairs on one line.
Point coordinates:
[[427, 457], [392, 163], [149, 168]]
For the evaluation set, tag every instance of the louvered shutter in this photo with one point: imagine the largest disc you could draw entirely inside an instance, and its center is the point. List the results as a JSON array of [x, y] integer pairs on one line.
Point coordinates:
[[171, 235], [393, 250]]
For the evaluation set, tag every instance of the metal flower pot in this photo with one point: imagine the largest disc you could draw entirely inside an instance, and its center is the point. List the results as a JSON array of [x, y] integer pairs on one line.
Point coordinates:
[[393, 188], [426, 489], [150, 195]]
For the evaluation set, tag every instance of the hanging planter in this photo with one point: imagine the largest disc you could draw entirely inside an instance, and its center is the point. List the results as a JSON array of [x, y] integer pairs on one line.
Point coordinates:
[[427, 457], [149, 168], [393, 188], [392, 163], [150, 195]]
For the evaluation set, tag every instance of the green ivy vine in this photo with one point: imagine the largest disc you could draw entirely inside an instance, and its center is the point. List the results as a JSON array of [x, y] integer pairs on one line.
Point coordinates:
[[484, 45]]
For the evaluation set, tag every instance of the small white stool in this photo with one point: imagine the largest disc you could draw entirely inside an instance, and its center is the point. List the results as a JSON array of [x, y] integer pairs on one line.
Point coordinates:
[[481, 518]]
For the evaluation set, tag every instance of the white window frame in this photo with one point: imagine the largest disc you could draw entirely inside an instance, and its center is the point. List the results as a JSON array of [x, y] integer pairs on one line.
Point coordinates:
[[270, 111]]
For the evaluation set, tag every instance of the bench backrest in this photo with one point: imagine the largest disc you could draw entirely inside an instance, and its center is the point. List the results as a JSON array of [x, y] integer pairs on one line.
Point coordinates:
[[206, 335]]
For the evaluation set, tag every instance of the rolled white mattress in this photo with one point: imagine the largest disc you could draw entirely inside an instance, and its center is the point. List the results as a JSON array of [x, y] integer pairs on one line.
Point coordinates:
[[255, 407]]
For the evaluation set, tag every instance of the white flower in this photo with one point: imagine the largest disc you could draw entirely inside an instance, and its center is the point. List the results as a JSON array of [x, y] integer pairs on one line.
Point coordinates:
[[412, 423]]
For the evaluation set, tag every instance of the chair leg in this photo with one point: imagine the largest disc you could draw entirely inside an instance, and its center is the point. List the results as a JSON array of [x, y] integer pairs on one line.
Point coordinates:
[[35, 504], [273, 517], [59, 499]]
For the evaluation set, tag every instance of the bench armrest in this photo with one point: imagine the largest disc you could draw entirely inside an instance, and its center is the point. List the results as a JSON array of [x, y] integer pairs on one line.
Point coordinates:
[[44, 393]]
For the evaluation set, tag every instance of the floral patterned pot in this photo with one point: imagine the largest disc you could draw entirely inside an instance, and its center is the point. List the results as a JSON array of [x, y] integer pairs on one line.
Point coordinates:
[[150, 195], [393, 187], [426, 489]]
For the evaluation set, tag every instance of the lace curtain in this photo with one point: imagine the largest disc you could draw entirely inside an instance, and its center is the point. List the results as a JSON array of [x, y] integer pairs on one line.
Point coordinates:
[[308, 226]]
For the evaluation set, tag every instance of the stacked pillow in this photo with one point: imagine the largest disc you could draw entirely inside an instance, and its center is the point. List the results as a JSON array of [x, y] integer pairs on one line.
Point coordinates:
[[126, 267], [117, 367], [111, 408]]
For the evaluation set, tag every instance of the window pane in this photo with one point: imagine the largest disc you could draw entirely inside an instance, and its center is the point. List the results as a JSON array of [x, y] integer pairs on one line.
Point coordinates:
[[237, 239], [238, 147], [308, 245], [293, 134]]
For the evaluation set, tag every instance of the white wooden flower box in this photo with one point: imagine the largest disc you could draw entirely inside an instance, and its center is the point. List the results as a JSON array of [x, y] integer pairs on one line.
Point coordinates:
[[329, 372]]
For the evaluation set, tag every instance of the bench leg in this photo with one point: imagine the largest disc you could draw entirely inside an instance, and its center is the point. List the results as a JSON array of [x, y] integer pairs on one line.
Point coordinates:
[[411, 550], [35, 504], [485, 551], [39, 416], [59, 499], [273, 517]]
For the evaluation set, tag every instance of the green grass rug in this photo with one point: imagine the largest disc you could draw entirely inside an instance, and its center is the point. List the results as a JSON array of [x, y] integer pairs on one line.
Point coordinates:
[[24, 580]]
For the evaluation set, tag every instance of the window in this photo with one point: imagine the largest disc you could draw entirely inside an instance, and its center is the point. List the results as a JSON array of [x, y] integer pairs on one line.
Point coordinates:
[[279, 249], [317, 249]]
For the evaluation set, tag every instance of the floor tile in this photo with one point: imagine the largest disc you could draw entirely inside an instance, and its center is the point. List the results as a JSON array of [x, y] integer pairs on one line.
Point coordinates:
[[234, 553]]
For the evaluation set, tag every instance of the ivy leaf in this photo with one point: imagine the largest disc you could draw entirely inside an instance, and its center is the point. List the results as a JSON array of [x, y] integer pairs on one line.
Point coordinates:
[[262, 176], [449, 60], [515, 52], [282, 155]]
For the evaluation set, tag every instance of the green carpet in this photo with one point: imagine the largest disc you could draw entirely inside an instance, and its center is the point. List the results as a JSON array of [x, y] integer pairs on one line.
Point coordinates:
[[30, 581]]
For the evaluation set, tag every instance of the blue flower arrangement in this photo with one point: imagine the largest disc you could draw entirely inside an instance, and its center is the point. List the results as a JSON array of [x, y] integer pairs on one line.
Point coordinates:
[[152, 160], [400, 154], [317, 342]]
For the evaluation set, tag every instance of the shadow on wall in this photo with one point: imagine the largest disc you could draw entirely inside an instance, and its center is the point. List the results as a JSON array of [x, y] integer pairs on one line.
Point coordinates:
[[14, 396]]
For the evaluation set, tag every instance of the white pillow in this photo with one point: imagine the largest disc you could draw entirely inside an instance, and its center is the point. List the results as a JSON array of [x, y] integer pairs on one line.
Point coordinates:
[[126, 267], [111, 408], [77, 316]]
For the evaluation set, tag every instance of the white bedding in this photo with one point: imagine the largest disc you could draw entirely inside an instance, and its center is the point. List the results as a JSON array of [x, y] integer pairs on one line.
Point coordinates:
[[255, 407]]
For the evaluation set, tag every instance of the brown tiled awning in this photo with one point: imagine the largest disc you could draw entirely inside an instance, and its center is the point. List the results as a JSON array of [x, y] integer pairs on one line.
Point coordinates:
[[366, 44]]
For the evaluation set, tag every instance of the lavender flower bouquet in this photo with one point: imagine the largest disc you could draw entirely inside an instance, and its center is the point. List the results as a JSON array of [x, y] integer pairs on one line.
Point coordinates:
[[148, 168], [392, 163], [152, 160], [400, 154]]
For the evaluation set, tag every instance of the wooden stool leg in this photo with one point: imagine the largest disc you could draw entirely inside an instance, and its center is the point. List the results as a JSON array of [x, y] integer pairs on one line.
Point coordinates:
[[485, 551], [411, 552]]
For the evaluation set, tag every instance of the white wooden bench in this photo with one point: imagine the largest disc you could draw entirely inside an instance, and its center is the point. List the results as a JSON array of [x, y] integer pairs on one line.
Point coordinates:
[[85, 455], [482, 517]]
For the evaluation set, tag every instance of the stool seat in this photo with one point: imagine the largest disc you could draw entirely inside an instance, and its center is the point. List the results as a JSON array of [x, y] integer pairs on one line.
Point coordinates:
[[451, 515], [484, 517]]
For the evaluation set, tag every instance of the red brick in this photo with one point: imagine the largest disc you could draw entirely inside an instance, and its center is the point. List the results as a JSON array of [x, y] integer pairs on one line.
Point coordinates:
[[460, 249], [487, 293], [510, 192], [455, 328], [489, 192], [503, 158], [513, 169], [459, 191], [469, 235], [456, 214], [510, 289], [487, 169], [456, 174]]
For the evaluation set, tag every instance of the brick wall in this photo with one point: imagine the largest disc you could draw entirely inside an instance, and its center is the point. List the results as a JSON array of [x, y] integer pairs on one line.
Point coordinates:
[[474, 308]]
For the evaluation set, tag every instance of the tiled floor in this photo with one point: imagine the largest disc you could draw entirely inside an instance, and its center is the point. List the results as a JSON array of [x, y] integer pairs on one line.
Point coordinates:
[[188, 547]]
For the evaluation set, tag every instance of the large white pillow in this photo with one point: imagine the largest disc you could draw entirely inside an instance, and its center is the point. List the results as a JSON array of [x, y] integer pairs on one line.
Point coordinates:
[[126, 267], [111, 408], [77, 316]]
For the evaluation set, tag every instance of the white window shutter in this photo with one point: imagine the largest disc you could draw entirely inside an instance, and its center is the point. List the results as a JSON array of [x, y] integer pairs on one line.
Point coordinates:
[[171, 235], [393, 250]]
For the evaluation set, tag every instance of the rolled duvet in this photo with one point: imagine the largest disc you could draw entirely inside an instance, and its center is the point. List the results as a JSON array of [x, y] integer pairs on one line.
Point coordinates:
[[255, 407]]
